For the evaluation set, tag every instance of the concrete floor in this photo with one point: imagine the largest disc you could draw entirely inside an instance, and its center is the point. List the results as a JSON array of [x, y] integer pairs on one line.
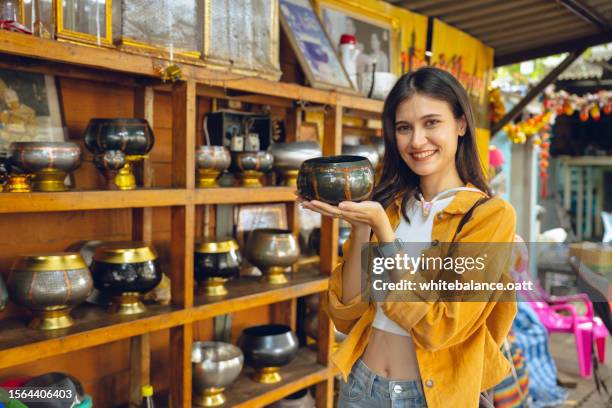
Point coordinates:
[[563, 349]]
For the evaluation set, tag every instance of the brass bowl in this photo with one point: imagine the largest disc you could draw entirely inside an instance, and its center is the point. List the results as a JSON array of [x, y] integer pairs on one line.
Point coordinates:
[[211, 161], [49, 161], [272, 251], [215, 261], [289, 156], [251, 166], [124, 271], [49, 285]]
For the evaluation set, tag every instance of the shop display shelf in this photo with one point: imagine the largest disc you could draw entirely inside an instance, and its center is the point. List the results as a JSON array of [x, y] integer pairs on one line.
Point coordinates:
[[92, 200], [143, 65], [243, 195], [248, 292]]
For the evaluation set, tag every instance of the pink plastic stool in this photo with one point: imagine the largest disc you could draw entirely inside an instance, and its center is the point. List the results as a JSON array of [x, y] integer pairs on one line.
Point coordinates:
[[585, 328]]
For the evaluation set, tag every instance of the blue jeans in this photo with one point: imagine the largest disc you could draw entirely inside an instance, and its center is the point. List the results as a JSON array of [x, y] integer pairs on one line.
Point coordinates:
[[366, 389]]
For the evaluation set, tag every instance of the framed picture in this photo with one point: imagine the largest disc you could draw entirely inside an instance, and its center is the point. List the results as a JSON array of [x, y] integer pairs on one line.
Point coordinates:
[[87, 21], [250, 217], [374, 31], [29, 109], [312, 46]]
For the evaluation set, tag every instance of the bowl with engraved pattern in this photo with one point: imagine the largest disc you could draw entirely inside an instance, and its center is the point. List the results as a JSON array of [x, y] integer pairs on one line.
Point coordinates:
[[49, 285], [333, 179], [125, 270], [250, 166], [211, 161], [216, 259], [50, 162]]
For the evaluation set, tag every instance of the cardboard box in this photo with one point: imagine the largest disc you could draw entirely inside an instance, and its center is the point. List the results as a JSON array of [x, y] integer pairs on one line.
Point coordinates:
[[597, 256]]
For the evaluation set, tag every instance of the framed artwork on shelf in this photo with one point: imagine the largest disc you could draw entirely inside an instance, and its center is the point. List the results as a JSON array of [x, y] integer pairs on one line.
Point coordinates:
[[313, 48], [250, 217], [29, 109], [174, 27], [88, 21], [376, 32]]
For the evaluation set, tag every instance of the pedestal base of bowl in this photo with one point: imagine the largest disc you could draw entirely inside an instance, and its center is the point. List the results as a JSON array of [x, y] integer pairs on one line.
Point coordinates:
[[250, 178], [127, 304], [275, 275], [50, 180], [290, 178], [267, 375], [207, 178], [19, 183], [211, 397], [125, 179], [215, 287], [51, 320]]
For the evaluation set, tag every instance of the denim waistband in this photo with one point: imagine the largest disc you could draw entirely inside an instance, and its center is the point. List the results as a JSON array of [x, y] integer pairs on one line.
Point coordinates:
[[385, 387]]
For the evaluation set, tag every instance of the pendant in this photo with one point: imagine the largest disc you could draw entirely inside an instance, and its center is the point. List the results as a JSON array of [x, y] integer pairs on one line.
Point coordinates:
[[425, 206]]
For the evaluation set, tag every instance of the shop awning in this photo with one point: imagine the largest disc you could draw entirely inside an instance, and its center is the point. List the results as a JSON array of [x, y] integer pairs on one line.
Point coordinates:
[[520, 30]]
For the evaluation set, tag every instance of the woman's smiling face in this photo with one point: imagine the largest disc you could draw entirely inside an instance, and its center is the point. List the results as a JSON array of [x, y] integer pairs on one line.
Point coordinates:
[[427, 133]]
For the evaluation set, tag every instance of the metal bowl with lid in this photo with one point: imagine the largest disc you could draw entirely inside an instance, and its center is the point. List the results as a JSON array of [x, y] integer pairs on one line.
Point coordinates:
[[125, 270], [50, 285], [215, 261]]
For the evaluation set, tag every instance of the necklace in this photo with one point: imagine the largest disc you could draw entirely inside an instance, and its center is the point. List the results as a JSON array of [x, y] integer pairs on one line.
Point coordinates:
[[426, 206]]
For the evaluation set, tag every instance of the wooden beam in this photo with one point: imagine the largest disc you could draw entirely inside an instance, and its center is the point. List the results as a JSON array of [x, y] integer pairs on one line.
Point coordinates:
[[535, 91], [586, 13], [556, 48]]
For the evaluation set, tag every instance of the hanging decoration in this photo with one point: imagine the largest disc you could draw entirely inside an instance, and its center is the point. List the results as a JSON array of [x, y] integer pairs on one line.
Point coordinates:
[[497, 109], [589, 106], [520, 132]]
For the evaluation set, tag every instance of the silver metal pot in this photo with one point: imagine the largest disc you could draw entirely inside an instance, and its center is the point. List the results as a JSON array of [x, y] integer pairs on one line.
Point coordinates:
[[215, 365]]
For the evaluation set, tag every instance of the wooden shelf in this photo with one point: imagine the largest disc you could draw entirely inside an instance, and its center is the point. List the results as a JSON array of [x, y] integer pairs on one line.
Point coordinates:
[[92, 200], [192, 69], [244, 195], [302, 372], [248, 292], [94, 326]]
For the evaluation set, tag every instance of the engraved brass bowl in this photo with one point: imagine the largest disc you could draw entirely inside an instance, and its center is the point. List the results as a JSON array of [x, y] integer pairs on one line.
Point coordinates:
[[50, 162], [333, 179], [251, 166], [49, 285], [211, 161], [124, 271], [215, 365], [289, 156], [272, 251], [266, 348], [215, 261]]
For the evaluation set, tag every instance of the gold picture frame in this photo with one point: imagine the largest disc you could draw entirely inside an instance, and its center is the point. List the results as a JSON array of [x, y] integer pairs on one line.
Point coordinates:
[[130, 41], [216, 53], [73, 35], [368, 19], [312, 46]]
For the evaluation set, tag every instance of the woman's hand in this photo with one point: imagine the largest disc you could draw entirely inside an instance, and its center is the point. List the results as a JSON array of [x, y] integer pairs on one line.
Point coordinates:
[[366, 214]]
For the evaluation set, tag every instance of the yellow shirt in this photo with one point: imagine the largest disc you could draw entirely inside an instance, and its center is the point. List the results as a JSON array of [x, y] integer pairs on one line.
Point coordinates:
[[457, 343]]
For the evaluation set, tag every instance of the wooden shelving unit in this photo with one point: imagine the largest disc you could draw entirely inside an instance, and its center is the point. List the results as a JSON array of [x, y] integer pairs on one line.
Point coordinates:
[[94, 326]]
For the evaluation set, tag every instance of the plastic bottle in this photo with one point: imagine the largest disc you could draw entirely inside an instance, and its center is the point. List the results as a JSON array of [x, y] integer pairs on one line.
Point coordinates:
[[147, 397]]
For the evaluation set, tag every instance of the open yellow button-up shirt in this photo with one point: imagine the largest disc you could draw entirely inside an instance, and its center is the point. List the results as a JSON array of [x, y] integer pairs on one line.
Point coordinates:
[[457, 343]]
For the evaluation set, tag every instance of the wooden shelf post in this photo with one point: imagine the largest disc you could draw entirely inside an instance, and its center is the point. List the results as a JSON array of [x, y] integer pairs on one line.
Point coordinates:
[[182, 238]]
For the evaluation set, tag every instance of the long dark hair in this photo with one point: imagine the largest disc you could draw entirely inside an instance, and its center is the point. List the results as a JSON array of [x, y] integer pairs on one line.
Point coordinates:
[[397, 179]]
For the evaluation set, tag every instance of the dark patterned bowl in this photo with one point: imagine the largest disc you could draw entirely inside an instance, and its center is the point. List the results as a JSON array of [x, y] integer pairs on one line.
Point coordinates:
[[215, 261], [133, 136], [49, 161], [266, 348], [334, 179], [49, 285], [124, 270], [251, 166]]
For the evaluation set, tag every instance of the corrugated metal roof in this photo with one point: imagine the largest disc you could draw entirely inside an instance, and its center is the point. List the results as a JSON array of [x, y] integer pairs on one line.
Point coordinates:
[[523, 29]]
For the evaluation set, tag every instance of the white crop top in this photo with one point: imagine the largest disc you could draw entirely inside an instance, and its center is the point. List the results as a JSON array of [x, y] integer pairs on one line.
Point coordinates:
[[418, 231]]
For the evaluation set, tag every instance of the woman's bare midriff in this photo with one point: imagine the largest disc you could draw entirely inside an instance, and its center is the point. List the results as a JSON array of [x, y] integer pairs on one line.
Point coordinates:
[[391, 356]]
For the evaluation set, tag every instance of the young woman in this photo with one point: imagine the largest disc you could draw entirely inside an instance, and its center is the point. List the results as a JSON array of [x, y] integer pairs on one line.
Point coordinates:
[[421, 354]]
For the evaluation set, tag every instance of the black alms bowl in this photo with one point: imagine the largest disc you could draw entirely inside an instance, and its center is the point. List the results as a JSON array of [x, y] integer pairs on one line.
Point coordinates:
[[334, 179], [268, 345], [216, 258]]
